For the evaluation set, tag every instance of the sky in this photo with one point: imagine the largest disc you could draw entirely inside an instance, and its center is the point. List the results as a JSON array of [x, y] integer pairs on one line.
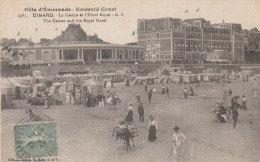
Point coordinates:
[[119, 29]]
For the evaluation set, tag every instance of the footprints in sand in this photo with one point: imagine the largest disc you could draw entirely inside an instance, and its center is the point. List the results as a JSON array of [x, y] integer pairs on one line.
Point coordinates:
[[218, 148]]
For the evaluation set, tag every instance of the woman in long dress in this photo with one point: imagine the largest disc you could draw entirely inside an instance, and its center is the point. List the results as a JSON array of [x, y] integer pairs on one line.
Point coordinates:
[[185, 93], [243, 104], [46, 103], [68, 97], [152, 128], [191, 91], [129, 117], [163, 89]]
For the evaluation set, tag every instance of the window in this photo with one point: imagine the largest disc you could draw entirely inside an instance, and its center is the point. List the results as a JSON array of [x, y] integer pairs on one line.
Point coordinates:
[[30, 56], [60, 54], [70, 54], [38, 55], [126, 54], [137, 54], [46, 55]]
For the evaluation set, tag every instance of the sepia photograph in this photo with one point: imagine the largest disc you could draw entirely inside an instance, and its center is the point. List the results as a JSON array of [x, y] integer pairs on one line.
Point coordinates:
[[130, 81]]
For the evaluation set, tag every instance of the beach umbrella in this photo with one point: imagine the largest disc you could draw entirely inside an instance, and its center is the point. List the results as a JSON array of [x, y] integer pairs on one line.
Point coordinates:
[[57, 84], [236, 97], [71, 82], [39, 85]]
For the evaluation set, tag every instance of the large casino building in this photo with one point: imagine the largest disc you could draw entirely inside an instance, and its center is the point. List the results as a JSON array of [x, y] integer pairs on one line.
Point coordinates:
[[72, 47], [191, 40]]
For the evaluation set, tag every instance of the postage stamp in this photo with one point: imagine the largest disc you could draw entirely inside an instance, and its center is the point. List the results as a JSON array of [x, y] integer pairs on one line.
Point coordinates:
[[33, 140]]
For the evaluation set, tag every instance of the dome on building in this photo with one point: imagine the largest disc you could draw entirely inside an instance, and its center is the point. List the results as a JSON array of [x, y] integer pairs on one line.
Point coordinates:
[[73, 33]]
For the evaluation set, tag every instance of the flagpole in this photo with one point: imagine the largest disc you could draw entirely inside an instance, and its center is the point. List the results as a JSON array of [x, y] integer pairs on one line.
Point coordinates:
[[18, 36], [36, 35], [57, 32]]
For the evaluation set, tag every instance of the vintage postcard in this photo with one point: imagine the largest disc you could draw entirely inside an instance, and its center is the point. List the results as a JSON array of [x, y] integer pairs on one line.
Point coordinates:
[[139, 81]]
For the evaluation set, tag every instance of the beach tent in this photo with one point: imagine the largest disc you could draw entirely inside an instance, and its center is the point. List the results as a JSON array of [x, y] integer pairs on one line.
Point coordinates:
[[19, 87], [62, 89], [200, 77], [38, 85], [6, 93], [107, 83], [71, 85], [57, 84], [186, 79], [134, 82], [178, 78], [92, 86], [208, 77], [194, 78]]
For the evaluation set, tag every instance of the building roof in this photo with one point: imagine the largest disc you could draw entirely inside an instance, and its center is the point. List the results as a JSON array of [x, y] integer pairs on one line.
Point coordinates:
[[4, 60], [194, 19], [73, 33], [76, 45]]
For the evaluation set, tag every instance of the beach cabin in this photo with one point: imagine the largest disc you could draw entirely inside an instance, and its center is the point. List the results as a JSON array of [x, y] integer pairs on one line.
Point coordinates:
[[107, 83], [178, 78], [186, 78], [92, 86]]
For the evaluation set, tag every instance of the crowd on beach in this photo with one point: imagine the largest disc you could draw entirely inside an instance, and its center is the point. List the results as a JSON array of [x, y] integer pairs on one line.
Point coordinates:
[[88, 99]]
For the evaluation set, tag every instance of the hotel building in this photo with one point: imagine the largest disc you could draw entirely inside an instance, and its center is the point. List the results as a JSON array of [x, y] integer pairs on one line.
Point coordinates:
[[173, 40]]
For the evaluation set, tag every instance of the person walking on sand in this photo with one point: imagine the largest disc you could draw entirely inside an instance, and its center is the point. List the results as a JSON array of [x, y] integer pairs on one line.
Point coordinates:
[[235, 117], [163, 89], [243, 104], [46, 103], [152, 128], [141, 112], [127, 135], [154, 90], [167, 92], [229, 93], [145, 88], [178, 140], [255, 92], [129, 117], [185, 93], [68, 97], [191, 91], [150, 93]]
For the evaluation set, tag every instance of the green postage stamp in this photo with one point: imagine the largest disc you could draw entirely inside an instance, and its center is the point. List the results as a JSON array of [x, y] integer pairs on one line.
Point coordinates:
[[33, 140]]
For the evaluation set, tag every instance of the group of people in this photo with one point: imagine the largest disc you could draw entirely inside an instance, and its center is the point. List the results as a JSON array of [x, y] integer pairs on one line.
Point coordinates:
[[41, 97], [70, 97], [191, 92], [90, 100], [165, 91], [112, 99], [224, 113], [235, 105], [152, 127], [178, 138]]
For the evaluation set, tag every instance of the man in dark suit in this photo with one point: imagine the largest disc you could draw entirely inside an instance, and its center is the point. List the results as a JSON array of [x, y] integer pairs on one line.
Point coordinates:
[[150, 93], [145, 88], [141, 112], [235, 116]]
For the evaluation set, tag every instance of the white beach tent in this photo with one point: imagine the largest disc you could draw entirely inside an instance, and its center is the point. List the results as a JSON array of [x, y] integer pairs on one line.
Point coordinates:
[[6, 93]]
